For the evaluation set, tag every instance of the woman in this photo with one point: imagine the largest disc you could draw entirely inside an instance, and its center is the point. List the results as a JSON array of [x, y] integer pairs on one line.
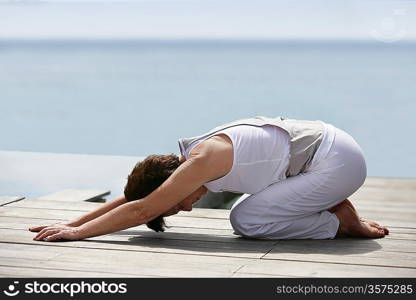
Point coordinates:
[[296, 176]]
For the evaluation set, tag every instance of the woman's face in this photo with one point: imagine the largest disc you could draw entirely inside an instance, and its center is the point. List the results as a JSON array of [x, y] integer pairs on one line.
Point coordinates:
[[186, 204]]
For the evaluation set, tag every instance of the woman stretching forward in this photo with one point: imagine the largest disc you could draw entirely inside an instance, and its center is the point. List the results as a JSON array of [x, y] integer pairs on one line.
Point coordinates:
[[295, 175]]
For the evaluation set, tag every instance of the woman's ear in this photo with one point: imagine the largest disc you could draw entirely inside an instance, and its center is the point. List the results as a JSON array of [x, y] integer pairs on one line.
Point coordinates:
[[181, 158]]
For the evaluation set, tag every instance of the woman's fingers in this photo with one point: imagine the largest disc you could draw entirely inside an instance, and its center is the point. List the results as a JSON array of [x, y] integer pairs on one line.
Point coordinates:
[[41, 232], [54, 237], [41, 229], [37, 228], [46, 233], [59, 233]]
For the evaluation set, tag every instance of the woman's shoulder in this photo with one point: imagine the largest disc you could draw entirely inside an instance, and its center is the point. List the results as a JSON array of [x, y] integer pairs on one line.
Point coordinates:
[[217, 151], [217, 144]]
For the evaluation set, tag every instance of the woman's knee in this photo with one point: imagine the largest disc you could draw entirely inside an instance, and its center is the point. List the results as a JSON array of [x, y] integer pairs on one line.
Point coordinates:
[[246, 227], [240, 224], [236, 221]]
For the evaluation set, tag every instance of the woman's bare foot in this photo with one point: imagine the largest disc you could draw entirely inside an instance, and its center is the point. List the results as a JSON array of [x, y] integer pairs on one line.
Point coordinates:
[[351, 224], [371, 223]]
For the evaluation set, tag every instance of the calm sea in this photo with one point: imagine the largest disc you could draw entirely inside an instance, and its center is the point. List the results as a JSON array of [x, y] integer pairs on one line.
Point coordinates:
[[138, 97]]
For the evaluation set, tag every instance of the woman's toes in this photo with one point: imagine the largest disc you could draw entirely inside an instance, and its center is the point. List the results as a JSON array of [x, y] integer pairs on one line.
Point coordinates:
[[369, 221], [375, 224], [372, 231], [363, 229]]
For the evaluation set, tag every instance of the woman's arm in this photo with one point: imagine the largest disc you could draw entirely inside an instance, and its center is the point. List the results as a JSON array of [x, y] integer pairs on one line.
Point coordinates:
[[208, 162], [189, 176], [102, 209]]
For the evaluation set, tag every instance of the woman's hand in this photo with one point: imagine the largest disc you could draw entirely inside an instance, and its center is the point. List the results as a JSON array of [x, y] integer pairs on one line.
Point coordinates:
[[39, 228], [57, 232]]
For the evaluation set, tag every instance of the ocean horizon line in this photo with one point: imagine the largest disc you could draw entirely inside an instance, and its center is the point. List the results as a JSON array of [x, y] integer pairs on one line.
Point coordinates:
[[199, 41]]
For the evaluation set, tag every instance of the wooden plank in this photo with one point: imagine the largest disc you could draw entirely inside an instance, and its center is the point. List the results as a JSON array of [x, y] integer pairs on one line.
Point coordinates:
[[41, 213], [404, 230], [405, 195], [82, 206], [267, 268], [184, 245], [380, 252], [88, 206], [198, 222], [61, 215], [66, 268], [25, 223], [76, 195], [19, 272], [382, 191], [206, 213], [4, 200], [390, 220], [401, 236], [13, 258], [396, 183], [31, 252], [346, 246], [124, 262], [385, 207], [386, 213]]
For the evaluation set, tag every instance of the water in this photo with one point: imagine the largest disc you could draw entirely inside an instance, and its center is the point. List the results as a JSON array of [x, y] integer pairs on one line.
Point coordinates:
[[138, 97]]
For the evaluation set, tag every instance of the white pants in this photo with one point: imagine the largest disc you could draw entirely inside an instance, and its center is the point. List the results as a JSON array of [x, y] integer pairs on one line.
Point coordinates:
[[296, 208]]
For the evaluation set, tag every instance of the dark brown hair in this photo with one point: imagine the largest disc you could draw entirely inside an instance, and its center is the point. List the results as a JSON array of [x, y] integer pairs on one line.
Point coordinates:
[[147, 176]]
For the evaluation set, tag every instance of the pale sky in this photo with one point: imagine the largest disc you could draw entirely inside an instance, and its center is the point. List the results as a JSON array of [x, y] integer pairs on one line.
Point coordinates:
[[389, 20]]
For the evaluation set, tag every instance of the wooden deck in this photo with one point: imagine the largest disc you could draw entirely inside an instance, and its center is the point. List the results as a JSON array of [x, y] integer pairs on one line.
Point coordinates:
[[202, 244]]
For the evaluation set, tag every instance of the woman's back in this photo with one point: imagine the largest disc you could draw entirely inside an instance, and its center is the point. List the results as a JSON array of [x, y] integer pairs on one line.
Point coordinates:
[[260, 158]]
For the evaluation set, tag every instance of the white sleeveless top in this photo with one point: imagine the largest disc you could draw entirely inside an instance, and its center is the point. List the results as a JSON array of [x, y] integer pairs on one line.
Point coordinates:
[[261, 158]]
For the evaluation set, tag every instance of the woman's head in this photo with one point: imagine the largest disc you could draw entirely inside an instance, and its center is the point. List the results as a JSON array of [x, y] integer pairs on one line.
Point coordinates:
[[148, 175], [186, 204]]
